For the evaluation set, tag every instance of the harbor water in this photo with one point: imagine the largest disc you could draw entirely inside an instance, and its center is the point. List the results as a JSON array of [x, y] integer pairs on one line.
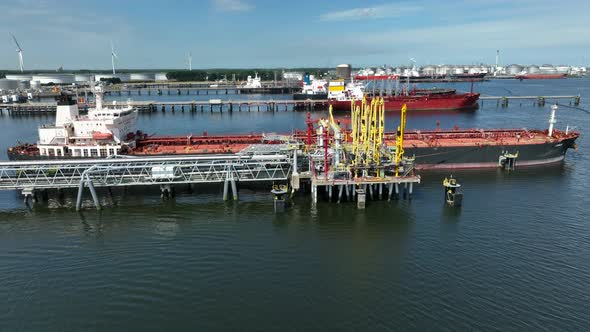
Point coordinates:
[[513, 257]]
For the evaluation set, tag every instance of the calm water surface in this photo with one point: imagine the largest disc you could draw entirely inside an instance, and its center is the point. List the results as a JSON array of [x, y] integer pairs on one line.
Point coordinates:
[[514, 257]]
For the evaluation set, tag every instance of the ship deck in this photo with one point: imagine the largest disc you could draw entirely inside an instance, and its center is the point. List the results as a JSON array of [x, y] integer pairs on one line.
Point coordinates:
[[474, 137]]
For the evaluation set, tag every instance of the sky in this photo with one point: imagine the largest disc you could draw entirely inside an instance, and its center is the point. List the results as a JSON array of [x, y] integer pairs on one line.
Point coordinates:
[[275, 33]]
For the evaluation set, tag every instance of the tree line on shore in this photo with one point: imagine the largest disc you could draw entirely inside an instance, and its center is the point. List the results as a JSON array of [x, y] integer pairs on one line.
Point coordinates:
[[237, 74]]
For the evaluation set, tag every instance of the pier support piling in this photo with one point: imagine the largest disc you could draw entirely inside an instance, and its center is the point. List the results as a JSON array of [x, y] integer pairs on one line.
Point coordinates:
[[225, 189], [390, 191], [93, 193], [234, 189]]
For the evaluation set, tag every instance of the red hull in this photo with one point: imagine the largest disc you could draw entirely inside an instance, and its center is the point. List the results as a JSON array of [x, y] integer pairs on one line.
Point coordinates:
[[465, 101], [375, 77], [539, 76]]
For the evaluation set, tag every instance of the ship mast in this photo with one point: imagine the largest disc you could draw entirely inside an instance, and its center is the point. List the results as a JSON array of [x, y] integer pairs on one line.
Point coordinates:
[[552, 120]]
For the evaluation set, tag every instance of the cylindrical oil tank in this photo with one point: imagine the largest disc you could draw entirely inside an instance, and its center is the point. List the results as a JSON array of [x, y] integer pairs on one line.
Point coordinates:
[[19, 77], [8, 84], [102, 77], [562, 69], [532, 69], [161, 77], [547, 69], [142, 76], [444, 70], [84, 78], [35, 84], [514, 69], [23, 85], [343, 70], [429, 70], [124, 77], [54, 78]]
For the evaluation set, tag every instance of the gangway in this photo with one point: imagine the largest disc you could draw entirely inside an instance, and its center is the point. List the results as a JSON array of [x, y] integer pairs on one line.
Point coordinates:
[[29, 176]]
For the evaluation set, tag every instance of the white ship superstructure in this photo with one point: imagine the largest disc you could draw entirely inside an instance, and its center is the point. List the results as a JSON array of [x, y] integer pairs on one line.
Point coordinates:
[[253, 82], [314, 87], [102, 133], [340, 91]]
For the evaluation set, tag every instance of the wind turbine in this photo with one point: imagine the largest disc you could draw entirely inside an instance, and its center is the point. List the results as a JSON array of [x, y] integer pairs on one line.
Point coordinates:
[[190, 61], [19, 50], [113, 57]]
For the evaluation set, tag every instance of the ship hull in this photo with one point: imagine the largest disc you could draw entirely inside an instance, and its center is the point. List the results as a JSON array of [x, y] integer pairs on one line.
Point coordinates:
[[540, 76], [419, 103], [463, 157], [426, 157], [304, 96]]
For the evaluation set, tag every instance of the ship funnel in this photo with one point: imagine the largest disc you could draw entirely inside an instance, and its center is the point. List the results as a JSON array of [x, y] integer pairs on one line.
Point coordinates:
[[67, 110], [552, 119]]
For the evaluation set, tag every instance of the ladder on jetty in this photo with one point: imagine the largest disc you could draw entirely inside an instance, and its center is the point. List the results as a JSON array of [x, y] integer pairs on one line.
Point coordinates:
[[30, 176]]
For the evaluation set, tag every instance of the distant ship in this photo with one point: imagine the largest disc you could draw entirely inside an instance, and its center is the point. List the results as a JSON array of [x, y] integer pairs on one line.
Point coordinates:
[[313, 89], [340, 98], [527, 76]]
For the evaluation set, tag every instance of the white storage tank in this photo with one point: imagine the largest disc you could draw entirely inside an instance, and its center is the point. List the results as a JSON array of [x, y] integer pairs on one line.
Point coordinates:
[[8, 84], [563, 69], [124, 77], [547, 69], [532, 69], [514, 69], [444, 70], [23, 85], [19, 77], [35, 84], [429, 70], [102, 77], [142, 76], [161, 77], [84, 77], [54, 78]]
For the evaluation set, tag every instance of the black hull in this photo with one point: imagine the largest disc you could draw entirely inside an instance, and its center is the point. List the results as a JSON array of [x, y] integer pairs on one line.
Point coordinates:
[[302, 96], [447, 157], [488, 156]]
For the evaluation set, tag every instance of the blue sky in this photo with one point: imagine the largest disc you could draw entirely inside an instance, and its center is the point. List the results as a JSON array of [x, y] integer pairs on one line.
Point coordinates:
[[265, 33]]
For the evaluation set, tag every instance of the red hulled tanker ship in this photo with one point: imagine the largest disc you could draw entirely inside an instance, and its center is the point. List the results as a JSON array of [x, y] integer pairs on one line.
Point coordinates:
[[341, 96], [539, 76], [423, 102], [433, 149]]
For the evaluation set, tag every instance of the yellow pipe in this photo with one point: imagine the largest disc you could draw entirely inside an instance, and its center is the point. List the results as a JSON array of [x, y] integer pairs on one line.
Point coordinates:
[[399, 148]]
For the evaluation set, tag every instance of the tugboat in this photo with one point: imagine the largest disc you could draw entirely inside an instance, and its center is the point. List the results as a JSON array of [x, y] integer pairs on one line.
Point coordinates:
[[104, 132]]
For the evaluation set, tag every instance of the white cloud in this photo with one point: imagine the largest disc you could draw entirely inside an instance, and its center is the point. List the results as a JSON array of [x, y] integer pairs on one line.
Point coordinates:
[[232, 5], [381, 11]]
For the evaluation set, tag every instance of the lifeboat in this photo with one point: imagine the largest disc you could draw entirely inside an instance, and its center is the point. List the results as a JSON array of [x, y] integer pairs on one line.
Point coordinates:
[[100, 136]]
